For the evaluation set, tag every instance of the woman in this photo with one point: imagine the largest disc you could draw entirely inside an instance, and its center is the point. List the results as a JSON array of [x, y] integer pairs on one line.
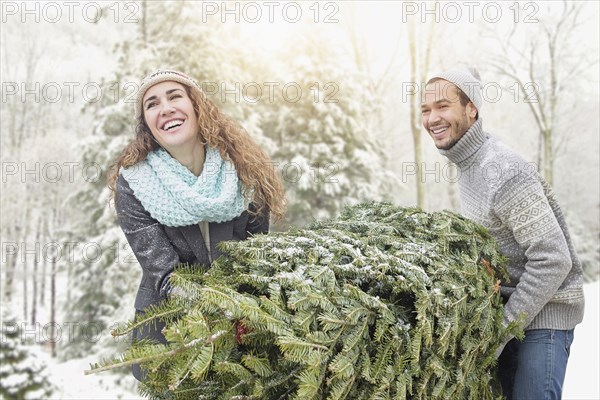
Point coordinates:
[[190, 179]]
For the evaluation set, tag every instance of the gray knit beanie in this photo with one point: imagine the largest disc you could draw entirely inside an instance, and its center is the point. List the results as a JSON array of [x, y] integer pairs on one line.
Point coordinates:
[[158, 76], [467, 80]]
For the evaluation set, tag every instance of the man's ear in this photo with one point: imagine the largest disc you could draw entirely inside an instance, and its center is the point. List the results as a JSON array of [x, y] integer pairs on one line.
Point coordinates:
[[471, 110]]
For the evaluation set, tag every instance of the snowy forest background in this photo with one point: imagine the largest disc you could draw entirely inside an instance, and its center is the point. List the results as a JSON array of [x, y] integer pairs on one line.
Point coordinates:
[[330, 99]]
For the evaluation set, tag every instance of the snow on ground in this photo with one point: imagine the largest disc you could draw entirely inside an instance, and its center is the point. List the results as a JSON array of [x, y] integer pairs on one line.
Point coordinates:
[[73, 384], [583, 370]]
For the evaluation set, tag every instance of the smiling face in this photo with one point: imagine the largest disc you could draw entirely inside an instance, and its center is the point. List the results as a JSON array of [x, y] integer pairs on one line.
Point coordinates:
[[169, 113], [443, 116]]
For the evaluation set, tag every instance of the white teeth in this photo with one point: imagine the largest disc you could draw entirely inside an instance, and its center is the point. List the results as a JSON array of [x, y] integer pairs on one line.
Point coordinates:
[[171, 124], [438, 130]]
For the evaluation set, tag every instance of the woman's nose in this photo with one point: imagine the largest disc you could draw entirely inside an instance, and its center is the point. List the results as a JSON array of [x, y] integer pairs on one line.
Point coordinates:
[[167, 108]]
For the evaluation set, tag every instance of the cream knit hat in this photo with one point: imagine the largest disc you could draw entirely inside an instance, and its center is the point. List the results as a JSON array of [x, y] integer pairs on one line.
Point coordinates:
[[467, 80], [158, 76]]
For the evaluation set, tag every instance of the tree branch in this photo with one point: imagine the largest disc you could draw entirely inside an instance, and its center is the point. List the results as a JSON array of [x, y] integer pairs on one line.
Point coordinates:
[[169, 353]]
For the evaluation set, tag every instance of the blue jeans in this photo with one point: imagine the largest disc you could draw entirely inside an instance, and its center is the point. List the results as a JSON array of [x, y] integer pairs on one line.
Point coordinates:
[[534, 369]]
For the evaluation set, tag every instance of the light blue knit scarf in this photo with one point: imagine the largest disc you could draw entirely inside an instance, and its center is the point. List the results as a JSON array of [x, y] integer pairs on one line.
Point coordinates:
[[174, 196]]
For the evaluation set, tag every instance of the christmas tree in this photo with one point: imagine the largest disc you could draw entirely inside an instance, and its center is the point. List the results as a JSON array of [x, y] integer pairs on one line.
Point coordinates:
[[380, 303], [23, 374]]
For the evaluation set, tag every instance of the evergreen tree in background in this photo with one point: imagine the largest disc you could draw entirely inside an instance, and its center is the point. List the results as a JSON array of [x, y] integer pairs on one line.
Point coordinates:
[[323, 126], [23, 374], [104, 274], [382, 302]]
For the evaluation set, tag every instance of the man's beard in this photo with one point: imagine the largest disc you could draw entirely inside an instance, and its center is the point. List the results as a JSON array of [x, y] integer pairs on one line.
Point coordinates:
[[462, 127]]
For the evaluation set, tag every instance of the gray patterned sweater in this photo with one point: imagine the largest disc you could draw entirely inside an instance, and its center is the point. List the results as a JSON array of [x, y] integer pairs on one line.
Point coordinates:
[[504, 193]]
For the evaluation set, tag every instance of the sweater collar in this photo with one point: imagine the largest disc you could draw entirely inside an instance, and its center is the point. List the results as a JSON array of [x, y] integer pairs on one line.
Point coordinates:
[[468, 144]]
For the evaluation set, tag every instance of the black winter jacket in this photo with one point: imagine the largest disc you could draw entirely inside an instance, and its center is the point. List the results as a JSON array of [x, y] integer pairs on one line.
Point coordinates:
[[159, 248]]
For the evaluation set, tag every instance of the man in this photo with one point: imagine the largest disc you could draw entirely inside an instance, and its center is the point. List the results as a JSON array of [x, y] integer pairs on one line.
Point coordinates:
[[501, 191]]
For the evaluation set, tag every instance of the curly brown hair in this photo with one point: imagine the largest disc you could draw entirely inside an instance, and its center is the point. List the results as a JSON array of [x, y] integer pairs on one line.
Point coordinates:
[[254, 168]]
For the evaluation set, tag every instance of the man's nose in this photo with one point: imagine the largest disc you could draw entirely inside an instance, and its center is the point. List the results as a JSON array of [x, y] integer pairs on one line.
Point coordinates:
[[433, 117]]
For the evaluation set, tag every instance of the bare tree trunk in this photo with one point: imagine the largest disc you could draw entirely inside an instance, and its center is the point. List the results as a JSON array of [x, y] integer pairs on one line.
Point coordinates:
[[34, 294], [143, 24], [24, 267], [53, 306], [34, 278], [415, 127], [419, 67], [33, 52], [9, 106], [548, 158], [540, 152], [43, 283], [51, 223], [11, 264], [24, 264], [25, 223]]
